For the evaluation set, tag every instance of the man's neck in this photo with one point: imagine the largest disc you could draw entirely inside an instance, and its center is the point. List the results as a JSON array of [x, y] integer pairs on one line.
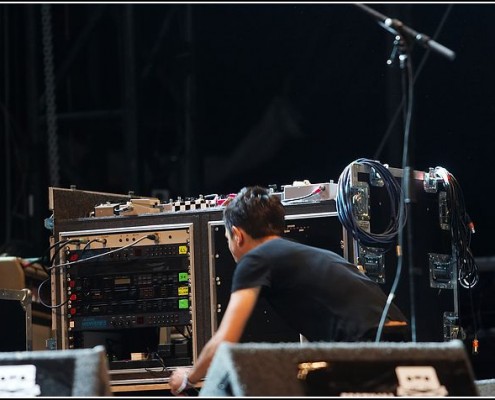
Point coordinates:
[[253, 243]]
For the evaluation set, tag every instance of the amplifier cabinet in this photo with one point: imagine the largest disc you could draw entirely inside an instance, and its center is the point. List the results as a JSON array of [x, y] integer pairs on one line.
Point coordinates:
[[15, 310], [427, 291]]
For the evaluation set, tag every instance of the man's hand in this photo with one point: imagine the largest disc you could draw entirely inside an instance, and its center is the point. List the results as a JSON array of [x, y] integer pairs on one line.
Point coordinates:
[[179, 381], [240, 307]]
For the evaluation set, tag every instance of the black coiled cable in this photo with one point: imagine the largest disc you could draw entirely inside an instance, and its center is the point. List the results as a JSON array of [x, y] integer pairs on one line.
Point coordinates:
[[461, 229]]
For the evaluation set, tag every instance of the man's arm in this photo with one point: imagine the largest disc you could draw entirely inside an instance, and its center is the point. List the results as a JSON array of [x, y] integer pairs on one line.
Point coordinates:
[[239, 309]]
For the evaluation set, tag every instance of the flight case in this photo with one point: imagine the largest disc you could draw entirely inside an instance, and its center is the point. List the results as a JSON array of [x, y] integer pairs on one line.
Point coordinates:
[[427, 291]]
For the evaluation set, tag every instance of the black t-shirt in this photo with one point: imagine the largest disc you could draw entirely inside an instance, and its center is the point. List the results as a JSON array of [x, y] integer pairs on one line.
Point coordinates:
[[316, 291]]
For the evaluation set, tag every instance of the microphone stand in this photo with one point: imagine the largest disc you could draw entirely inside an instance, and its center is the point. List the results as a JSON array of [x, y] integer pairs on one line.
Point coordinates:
[[404, 36], [396, 26]]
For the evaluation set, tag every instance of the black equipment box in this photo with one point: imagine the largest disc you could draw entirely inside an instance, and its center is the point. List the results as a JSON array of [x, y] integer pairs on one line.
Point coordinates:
[[15, 312], [427, 291], [315, 224]]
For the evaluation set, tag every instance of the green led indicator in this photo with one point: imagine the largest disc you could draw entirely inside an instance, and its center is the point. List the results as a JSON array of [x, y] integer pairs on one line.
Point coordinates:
[[183, 276], [183, 304]]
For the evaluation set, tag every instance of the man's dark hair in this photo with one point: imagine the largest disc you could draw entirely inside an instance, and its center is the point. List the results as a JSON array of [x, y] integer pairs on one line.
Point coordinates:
[[256, 211]]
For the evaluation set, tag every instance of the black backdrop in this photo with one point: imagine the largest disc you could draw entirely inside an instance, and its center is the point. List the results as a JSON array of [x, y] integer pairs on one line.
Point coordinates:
[[183, 100]]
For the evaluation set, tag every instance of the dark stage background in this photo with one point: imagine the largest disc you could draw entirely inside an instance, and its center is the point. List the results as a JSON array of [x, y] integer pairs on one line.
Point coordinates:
[[187, 99], [182, 100]]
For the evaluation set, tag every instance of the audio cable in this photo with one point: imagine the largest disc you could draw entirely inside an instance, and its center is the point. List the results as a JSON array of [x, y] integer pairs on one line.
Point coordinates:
[[149, 236], [346, 202]]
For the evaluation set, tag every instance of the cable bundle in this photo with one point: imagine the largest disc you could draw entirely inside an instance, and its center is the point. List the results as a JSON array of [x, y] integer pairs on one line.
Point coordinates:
[[461, 228], [345, 200]]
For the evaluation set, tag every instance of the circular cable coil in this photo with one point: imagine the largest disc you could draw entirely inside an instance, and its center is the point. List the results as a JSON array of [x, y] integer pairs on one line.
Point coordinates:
[[346, 205]]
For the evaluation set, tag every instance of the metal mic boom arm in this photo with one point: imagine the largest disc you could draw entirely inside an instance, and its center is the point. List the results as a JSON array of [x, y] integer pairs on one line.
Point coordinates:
[[398, 27]]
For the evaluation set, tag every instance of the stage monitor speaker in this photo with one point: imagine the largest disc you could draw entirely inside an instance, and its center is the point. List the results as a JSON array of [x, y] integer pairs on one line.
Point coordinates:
[[340, 369], [486, 387], [66, 373]]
